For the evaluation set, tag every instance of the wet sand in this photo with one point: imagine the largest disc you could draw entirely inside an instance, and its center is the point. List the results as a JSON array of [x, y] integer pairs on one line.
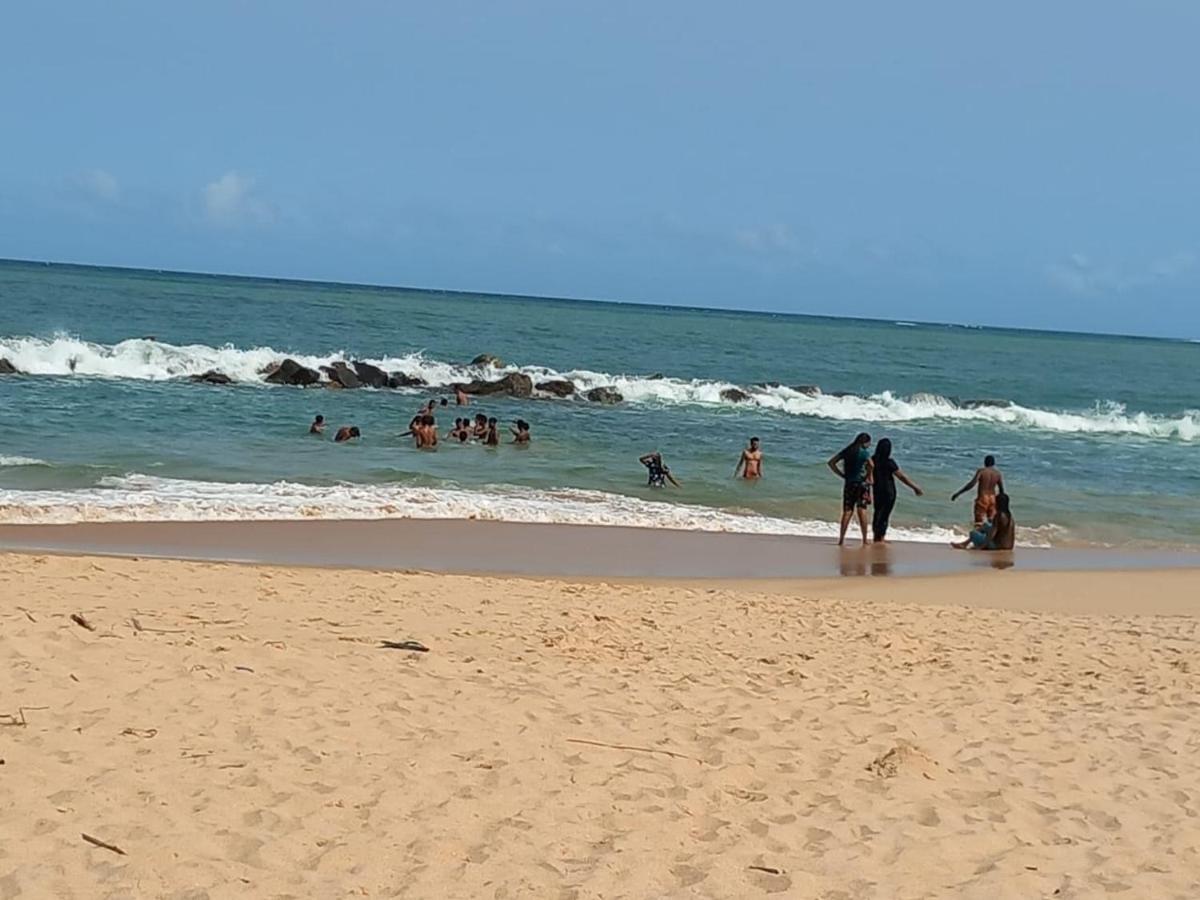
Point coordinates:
[[484, 547], [243, 731]]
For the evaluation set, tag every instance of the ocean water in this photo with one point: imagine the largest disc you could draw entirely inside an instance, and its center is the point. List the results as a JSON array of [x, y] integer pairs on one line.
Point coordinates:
[[1099, 437]]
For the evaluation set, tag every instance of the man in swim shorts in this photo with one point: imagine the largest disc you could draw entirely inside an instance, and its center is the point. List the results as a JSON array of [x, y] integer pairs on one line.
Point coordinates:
[[989, 482], [750, 463]]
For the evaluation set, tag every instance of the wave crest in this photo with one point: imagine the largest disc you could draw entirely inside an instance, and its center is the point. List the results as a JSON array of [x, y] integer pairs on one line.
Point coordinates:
[[152, 360]]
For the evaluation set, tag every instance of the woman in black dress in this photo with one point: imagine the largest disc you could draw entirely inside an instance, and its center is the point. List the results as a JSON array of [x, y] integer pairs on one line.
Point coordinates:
[[887, 473]]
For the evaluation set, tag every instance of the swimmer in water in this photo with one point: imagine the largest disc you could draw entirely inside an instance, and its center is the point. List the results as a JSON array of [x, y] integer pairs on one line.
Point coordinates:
[[521, 433], [750, 464], [317, 426], [347, 433], [659, 472]]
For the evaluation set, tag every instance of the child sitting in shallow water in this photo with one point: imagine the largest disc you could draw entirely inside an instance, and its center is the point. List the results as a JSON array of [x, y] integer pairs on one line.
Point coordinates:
[[998, 534]]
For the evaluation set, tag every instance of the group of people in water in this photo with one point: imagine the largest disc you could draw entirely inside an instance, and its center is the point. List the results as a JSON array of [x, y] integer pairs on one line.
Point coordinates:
[[869, 479], [423, 428]]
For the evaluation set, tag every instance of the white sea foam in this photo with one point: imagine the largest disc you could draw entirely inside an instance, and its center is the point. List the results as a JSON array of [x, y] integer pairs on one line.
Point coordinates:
[[14, 461], [133, 498], [157, 361]]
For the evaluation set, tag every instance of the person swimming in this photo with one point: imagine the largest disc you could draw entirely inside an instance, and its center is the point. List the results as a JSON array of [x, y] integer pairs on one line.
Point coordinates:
[[493, 433], [317, 426], [659, 473], [750, 463], [347, 433], [521, 433], [998, 534], [479, 432]]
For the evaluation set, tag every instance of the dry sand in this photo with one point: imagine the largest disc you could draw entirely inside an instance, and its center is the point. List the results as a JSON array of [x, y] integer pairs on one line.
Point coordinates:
[[239, 732]]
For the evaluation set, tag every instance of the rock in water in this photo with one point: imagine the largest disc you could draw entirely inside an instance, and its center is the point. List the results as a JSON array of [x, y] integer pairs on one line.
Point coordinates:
[[515, 384], [402, 380], [557, 387], [342, 374], [486, 359], [291, 372], [371, 376], [7, 368], [605, 395], [212, 376], [734, 395]]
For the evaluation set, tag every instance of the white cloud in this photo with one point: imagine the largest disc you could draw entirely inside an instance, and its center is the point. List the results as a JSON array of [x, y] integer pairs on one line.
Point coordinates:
[[1080, 275], [230, 201], [99, 185], [771, 239]]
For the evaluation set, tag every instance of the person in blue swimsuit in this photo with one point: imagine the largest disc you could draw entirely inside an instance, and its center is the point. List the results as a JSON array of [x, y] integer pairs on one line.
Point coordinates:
[[659, 472], [855, 471]]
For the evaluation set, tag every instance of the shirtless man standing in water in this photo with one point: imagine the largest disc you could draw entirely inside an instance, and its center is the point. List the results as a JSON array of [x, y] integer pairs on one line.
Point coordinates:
[[750, 463], [990, 483]]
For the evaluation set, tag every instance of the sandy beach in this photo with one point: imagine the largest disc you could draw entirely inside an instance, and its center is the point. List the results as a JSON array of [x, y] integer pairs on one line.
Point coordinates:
[[242, 731]]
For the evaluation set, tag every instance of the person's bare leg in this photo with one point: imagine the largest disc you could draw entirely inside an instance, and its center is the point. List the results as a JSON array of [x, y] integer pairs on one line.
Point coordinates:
[[846, 513], [862, 523]]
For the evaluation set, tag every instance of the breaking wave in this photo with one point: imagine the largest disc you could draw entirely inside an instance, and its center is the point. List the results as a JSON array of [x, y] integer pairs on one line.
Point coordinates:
[[152, 360], [135, 497]]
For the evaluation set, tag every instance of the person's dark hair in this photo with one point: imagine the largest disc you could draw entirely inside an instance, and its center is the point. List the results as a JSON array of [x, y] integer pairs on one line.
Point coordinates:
[[860, 440], [883, 451], [444, 401], [319, 419], [1002, 508], [492, 420], [354, 432], [989, 461], [480, 417], [754, 440], [522, 425]]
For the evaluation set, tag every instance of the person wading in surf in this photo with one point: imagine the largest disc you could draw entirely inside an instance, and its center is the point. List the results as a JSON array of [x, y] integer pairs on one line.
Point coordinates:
[[856, 492], [990, 482]]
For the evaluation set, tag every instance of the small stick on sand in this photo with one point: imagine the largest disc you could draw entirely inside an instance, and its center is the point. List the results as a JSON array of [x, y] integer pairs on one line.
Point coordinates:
[[79, 620], [18, 718], [138, 626], [670, 753], [102, 844], [411, 646]]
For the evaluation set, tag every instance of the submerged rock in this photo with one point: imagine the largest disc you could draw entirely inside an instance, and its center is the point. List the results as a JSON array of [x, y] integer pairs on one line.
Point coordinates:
[[371, 376], [810, 389], [557, 387], [403, 380], [976, 404], [212, 376], [341, 373], [7, 368], [291, 372], [486, 359], [734, 395], [606, 395], [515, 384]]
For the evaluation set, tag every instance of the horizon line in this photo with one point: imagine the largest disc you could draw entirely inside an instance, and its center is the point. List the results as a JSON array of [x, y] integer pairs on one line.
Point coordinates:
[[645, 304]]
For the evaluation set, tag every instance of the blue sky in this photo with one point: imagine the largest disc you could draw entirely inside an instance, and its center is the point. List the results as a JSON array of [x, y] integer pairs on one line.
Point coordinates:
[[1018, 164]]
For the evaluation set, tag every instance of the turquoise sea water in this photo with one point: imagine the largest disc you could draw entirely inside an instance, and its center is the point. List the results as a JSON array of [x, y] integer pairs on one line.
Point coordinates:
[[1098, 436]]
